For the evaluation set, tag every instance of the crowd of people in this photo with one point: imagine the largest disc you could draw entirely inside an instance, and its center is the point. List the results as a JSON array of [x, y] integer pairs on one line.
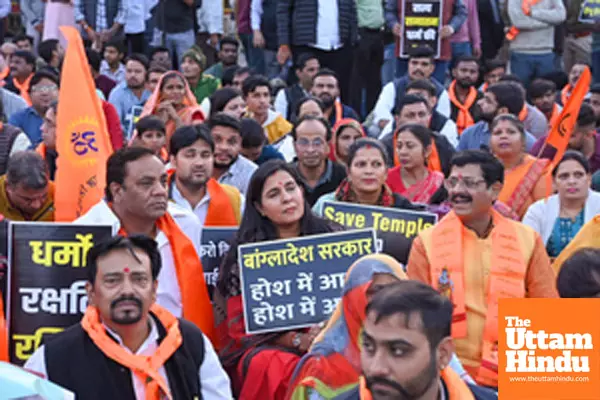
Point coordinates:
[[304, 103]]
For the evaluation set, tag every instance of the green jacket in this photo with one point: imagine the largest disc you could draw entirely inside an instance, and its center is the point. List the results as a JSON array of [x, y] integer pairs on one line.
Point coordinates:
[[206, 86]]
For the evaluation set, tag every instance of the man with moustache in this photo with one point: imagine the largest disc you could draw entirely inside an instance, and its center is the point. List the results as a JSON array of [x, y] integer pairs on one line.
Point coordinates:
[[493, 71], [106, 355], [136, 202], [325, 86], [191, 185], [421, 64], [230, 167], [463, 94], [306, 67], [131, 93], [410, 318], [474, 256]]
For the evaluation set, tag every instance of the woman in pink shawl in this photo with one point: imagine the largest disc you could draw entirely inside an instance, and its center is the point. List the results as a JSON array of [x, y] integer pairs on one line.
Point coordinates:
[[174, 103]]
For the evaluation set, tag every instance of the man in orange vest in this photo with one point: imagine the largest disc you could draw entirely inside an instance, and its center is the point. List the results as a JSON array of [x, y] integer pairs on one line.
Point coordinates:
[[411, 319], [475, 256]]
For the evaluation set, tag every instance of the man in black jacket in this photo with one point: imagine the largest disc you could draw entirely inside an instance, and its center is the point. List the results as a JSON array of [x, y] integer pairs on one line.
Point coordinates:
[[325, 28], [106, 356]]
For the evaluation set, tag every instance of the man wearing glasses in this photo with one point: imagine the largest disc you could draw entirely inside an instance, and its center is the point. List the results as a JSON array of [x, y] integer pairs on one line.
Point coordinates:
[[475, 256], [311, 142]]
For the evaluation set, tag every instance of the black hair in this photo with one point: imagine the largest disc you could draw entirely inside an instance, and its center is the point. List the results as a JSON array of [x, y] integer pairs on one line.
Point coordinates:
[[423, 84], [149, 123], [94, 59], [327, 72], [117, 44], [574, 156], [229, 40], [25, 55], [228, 74], [579, 276], [410, 298], [243, 70], [187, 135], [305, 99], [422, 51], [142, 59], [220, 99], [43, 74], [46, 48], [27, 168], [159, 49], [408, 100], [509, 96], [21, 36], [254, 81], [323, 121], [465, 58], [491, 65], [302, 59], [253, 134], [255, 227], [595, 88], [423, 134], [539, 88], [156, 69], [513, 119], [170, 75], [131, 243], [586, 115], [116, 166], [225, 120], [492, 169], [511, 78], [366, 142]]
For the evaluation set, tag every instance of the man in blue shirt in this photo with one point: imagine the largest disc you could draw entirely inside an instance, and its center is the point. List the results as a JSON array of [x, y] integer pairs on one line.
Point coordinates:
[[500, 98], [132, 92], [43, 91]]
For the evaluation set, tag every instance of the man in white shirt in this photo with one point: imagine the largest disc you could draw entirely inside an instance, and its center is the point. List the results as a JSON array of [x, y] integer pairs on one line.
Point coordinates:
[[106, 356]]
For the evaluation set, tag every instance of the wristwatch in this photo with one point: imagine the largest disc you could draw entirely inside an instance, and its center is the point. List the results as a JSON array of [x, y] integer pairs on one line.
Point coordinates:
[[297, 340]]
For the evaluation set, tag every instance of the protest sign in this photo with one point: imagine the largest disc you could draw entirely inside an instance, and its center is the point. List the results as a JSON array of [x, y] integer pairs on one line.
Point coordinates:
[[590, 11], [421, 25], [47, 277], [133, 116], [295, 283], [214, 245], [395, 227]]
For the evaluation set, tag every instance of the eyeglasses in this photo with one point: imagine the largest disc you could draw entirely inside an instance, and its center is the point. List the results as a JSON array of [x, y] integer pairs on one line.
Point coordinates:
[[305, 143], [44, 89], [469, 183]]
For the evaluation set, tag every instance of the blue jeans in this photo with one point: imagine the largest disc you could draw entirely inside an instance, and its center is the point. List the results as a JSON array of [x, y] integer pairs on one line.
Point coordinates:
[[177, 43], [461, 49], [388, 70], [530, 66], [441, 67], [254, 56]]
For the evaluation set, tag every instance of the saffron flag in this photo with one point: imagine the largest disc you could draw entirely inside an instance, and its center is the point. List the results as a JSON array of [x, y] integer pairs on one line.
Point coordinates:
[[82, 137]]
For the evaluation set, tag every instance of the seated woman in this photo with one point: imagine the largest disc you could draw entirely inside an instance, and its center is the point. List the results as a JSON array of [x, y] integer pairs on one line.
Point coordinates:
[[412, 178], [228, 100], [333, 363], [261, 365], [345, 132], [150, 133], [524, 175], [174, 103], [560, 217]]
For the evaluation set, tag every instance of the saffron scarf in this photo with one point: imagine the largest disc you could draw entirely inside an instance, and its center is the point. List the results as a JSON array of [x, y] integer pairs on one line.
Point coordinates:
[[565, 93], [520, 181], [146, 368], [24, 88], [464, 118], [523, 113], [339, 125], [526, 5], [457, 388], [3, 332], [197, 307], [554, 116], [433, 161], [506, 280]]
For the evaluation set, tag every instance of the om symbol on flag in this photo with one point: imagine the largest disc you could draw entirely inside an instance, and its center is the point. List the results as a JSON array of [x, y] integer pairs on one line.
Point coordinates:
[[83, 142]]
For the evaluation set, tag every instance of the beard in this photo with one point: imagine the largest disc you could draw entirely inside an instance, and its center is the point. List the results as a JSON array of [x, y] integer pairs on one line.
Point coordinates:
[[219, 165], [327, 100], [129, 317], [464, 83], [193, 184], [412, 390]]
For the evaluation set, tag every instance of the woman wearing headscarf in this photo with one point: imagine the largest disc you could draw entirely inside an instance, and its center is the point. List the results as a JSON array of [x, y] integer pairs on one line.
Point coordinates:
[[345, 132]]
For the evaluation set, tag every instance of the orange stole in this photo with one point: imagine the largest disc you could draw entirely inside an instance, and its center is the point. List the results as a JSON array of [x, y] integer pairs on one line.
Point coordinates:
[[3, 333], [24, 88], [519, 182], [507, 280], [523, 113], [220, 210], [464, 118], [565, 93], [197, 307], [554, 116], [433, 162]]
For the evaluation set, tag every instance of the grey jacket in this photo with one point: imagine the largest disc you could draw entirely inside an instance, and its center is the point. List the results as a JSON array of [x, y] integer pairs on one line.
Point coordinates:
[[536, 31]]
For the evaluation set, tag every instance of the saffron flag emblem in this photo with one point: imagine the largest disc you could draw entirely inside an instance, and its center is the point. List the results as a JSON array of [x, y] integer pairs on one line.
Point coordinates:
[[82, 140]]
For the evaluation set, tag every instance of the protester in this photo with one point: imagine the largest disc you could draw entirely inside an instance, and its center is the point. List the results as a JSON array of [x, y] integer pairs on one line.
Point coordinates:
[[412, 179], [155, 73], [12, 139], [493, 71], [123, 327], [560, 217], [325, 86], [230, 167], [309, 105], [464, 96], [52, 53], [161, 56], [579, 276], [103, 82], [345, 132], [534, 120], [261, 365], [228, 56], [22, 68], [101, 30], [201, 83], [191, 185], [306, 67], [150, 133], [254, 143], [229, 101], [574, 74], [112, 64], [472, 238], [524, 175], [26, 193], [47, 148], [542, 94]]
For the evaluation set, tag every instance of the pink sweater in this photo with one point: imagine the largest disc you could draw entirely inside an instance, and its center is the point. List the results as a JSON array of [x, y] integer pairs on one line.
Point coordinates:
[[469, 31]]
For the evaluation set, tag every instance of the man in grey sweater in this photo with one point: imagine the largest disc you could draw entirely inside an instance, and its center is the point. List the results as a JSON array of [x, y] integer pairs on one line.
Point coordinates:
[[532, 48]]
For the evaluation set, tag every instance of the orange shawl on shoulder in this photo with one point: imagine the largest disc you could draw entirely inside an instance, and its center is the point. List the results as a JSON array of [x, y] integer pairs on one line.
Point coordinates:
[[524, 184]]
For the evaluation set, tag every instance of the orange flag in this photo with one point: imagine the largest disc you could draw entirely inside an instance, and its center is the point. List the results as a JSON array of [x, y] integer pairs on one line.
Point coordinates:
[[82, 138], [3, 333]]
